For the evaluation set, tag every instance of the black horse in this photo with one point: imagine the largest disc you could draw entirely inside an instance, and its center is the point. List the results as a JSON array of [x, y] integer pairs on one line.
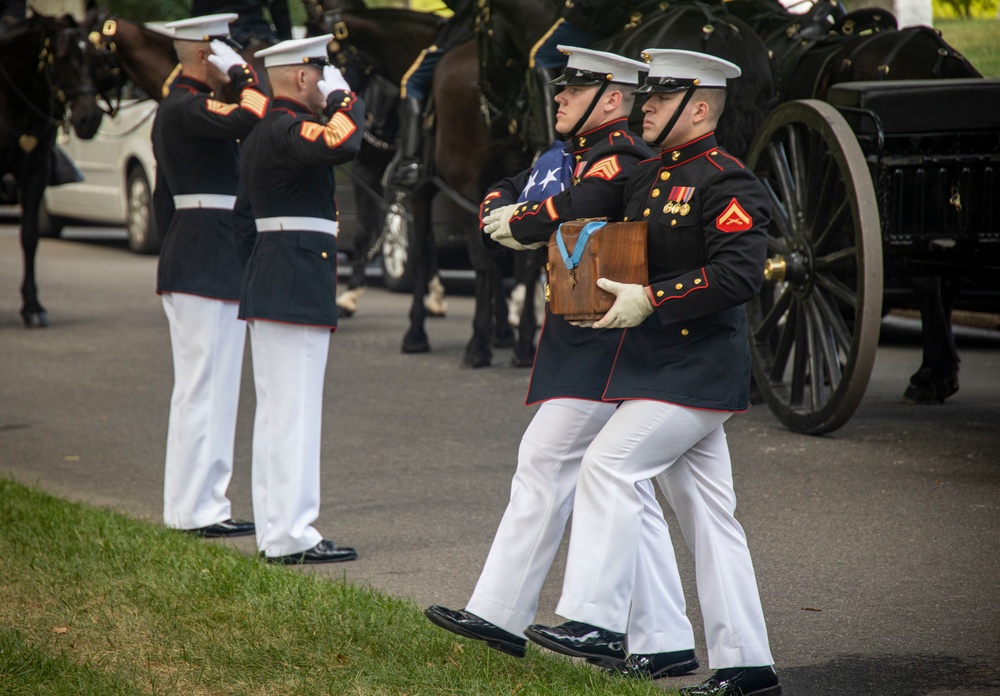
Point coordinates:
[[381, 97], [48, 70], [464, 158]]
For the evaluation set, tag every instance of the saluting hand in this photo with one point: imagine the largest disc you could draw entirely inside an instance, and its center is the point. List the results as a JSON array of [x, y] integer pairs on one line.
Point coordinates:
[[224, 57], [630, 309], [332, 81]]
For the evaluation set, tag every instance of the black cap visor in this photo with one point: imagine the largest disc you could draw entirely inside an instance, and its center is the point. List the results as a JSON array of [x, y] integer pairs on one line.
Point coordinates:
[[665, 85], [317, 62], [579, 78]]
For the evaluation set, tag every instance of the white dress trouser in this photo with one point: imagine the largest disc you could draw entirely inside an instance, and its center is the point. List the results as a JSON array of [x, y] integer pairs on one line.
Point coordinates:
[[206, 339], [686, 450], [532, 527], [289, 367]]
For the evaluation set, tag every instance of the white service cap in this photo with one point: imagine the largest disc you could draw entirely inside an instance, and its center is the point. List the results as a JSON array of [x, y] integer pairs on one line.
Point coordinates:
[[204, 28], [297, 51], [589, 67], [671, 70]]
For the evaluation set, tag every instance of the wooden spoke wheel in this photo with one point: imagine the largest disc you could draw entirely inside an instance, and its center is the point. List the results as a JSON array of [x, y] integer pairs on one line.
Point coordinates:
[[814, 327]]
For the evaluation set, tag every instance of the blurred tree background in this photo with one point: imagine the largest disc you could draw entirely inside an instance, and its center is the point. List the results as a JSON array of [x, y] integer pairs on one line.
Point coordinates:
[[165, 10]]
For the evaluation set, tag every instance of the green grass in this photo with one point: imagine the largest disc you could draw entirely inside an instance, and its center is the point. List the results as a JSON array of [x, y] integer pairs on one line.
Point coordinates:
[[977, 39], [92, 602]]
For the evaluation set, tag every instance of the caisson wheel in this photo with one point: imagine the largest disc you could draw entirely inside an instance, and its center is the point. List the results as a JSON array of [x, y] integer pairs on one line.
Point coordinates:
[[815, 325]]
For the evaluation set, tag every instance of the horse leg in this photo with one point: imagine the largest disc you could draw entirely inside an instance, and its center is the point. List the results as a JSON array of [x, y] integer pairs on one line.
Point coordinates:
[[937, 378], [421, 249], [479, 351], [527, 268], [33, 185], [347, 301], [436, 305], [503, 334], [368, 168]]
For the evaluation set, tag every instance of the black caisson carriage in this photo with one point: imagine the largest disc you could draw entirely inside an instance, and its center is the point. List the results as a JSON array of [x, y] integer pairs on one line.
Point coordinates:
[[882, 164]]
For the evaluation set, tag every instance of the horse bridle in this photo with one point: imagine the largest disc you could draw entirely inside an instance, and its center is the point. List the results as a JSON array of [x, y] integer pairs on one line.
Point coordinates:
[[104, 42], [349, 59], [60, 94], [334, 24]]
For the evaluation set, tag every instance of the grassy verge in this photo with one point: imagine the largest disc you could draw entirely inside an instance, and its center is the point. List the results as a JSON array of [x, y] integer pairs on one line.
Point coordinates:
[[977, 39], [92, 602]]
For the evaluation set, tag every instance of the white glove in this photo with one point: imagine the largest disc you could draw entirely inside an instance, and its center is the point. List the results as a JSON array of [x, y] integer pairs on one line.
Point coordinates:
[[223, 56], [630, 309], [508, 241], [332, 81], [499, 220]]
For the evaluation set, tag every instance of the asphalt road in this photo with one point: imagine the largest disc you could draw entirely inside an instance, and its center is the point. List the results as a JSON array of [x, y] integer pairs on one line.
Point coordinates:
[[876, 547]]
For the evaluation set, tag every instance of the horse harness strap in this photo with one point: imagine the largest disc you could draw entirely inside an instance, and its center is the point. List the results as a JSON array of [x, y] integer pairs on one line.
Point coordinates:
[[334, 24], [104, 42]]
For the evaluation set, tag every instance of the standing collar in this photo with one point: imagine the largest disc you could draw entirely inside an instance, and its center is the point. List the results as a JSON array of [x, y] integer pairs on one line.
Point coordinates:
[[689, 150], [584, 141], [289, 104], [189, 82]]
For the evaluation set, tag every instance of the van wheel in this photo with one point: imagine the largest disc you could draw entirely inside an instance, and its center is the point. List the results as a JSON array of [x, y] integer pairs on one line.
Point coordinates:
[[143, 237]]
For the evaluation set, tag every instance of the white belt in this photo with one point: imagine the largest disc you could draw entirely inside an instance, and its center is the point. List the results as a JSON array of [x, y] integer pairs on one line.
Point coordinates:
[[204, 200], [297, 224]]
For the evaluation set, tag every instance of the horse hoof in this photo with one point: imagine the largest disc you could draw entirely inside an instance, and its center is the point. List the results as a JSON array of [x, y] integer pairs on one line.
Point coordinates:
[[35, 320], [416, 344], [524, 354], [503, 337], [476, 356], [925, 389]]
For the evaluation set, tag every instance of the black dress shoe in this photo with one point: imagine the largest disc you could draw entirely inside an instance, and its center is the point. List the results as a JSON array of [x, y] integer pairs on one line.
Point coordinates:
[[226, 528], [657, 665], [325, 551], [578, 639], [469, 625], [738, 681]]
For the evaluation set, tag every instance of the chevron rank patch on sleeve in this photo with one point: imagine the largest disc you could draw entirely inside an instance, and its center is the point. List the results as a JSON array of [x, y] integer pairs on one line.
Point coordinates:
[[338, 130], [221, 108], [606, 168], [254, 102], [734, 218]]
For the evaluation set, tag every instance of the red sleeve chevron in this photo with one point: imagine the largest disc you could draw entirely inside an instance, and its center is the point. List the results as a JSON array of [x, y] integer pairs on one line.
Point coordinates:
[[606, 168]]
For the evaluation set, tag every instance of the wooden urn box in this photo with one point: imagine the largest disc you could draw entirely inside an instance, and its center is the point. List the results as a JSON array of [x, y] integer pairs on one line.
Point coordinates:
[[613, 250]]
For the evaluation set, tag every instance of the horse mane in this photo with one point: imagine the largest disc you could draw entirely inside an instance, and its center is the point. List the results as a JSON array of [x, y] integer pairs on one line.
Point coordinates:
[[32, 25]]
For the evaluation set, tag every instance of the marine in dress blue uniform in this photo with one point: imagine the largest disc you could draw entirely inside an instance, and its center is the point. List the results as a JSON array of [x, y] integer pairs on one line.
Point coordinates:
[[288, 235], [198, 277], [683, 368], [569, 375]]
